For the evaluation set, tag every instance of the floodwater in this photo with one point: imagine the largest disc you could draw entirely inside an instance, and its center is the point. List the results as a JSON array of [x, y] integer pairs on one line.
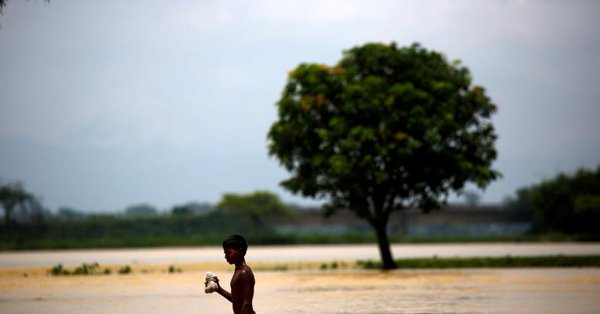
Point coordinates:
[[499, 291], [25, 288], [290, 253]]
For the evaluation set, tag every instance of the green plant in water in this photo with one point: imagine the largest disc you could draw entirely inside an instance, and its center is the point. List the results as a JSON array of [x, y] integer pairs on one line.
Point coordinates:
[[58, 270], [172, 269], [86, 269], [125, 270]]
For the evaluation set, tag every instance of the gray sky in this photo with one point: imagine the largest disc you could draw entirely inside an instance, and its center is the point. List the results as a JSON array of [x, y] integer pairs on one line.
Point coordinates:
[[105, 104]]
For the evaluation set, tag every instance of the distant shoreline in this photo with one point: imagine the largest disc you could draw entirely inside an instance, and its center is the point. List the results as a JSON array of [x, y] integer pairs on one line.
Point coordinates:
[[287, 253], [549, 261]]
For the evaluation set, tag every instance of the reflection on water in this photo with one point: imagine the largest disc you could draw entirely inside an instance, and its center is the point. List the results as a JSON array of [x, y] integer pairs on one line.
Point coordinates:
[[342, 291]]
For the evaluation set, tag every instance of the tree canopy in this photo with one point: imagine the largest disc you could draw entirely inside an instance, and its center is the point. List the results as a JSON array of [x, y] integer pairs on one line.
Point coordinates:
[[257, 205], [141, 210], [11, 196], [567, 203], [386, 128]]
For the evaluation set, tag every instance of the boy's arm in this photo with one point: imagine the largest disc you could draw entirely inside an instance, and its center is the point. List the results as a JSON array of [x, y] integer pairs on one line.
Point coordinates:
[[223, 292], [247, 283]]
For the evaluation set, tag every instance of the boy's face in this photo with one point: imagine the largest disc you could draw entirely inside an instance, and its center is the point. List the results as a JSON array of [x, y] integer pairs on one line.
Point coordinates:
[[232, 255]]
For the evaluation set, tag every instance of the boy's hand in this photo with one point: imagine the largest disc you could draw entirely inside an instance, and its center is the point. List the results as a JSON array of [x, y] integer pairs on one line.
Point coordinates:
[[211, 284]]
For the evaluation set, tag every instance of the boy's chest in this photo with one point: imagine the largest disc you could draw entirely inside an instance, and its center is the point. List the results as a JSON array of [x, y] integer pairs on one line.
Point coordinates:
[[235, 281]]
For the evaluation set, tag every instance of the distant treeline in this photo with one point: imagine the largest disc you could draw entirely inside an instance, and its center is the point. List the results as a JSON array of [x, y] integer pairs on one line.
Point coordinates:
[[143, 226], [566, 207], [120, 231], [123, 231], [115, 231]]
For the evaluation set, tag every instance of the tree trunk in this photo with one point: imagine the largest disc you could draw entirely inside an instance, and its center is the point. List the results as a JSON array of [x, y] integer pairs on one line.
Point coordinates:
[[383, 242]]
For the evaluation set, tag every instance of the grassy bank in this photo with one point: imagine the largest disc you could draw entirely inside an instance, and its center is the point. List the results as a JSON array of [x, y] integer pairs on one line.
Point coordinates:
[[491, 262]]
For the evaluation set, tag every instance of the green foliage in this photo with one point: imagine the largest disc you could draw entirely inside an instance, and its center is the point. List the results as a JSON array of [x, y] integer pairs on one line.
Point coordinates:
[[84, 269], [521, 207], [333, 265], [125, 270], [141, 210], [566, 203], [53, 235], [172, 269], [191, 209], [181, 211], [122, 231], [58, 270], [67, 213], [385, 129], [258, 206], [11, 196]]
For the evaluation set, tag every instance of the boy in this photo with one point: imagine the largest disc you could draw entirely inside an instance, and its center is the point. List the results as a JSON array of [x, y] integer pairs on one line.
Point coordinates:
[[242, 282]]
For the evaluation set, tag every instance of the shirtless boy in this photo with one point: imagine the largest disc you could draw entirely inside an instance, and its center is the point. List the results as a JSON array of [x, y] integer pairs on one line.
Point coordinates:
[[242, 282]]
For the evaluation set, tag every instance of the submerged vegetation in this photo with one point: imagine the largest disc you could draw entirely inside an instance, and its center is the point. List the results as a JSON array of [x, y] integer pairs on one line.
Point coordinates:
[[84, 269], [95, 269]]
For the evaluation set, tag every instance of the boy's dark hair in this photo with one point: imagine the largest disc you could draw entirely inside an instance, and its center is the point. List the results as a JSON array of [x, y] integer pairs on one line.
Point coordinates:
[[237, 242]]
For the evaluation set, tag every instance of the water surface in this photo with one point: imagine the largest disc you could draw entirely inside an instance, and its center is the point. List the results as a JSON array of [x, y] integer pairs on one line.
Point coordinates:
[[289, 253], [500, 291], [25, 287]]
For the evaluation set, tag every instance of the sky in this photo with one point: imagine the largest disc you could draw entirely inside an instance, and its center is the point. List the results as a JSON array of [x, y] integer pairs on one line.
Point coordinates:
[[107, 104]]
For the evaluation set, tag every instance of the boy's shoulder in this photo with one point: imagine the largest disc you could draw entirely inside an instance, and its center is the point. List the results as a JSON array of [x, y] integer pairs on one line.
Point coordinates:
[[246, 269], [246, 272]]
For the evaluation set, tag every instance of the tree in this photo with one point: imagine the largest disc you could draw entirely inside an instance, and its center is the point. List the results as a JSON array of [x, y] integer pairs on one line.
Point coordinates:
[[141, 210], [68, 213], [181, 211], [11, 196], [521, 208], [191, 208], [31, 211], [258, 205], [569, 203], [385, 129]]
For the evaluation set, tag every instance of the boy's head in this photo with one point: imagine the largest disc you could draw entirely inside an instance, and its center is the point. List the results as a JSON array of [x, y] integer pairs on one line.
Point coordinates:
[[236, 242]]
